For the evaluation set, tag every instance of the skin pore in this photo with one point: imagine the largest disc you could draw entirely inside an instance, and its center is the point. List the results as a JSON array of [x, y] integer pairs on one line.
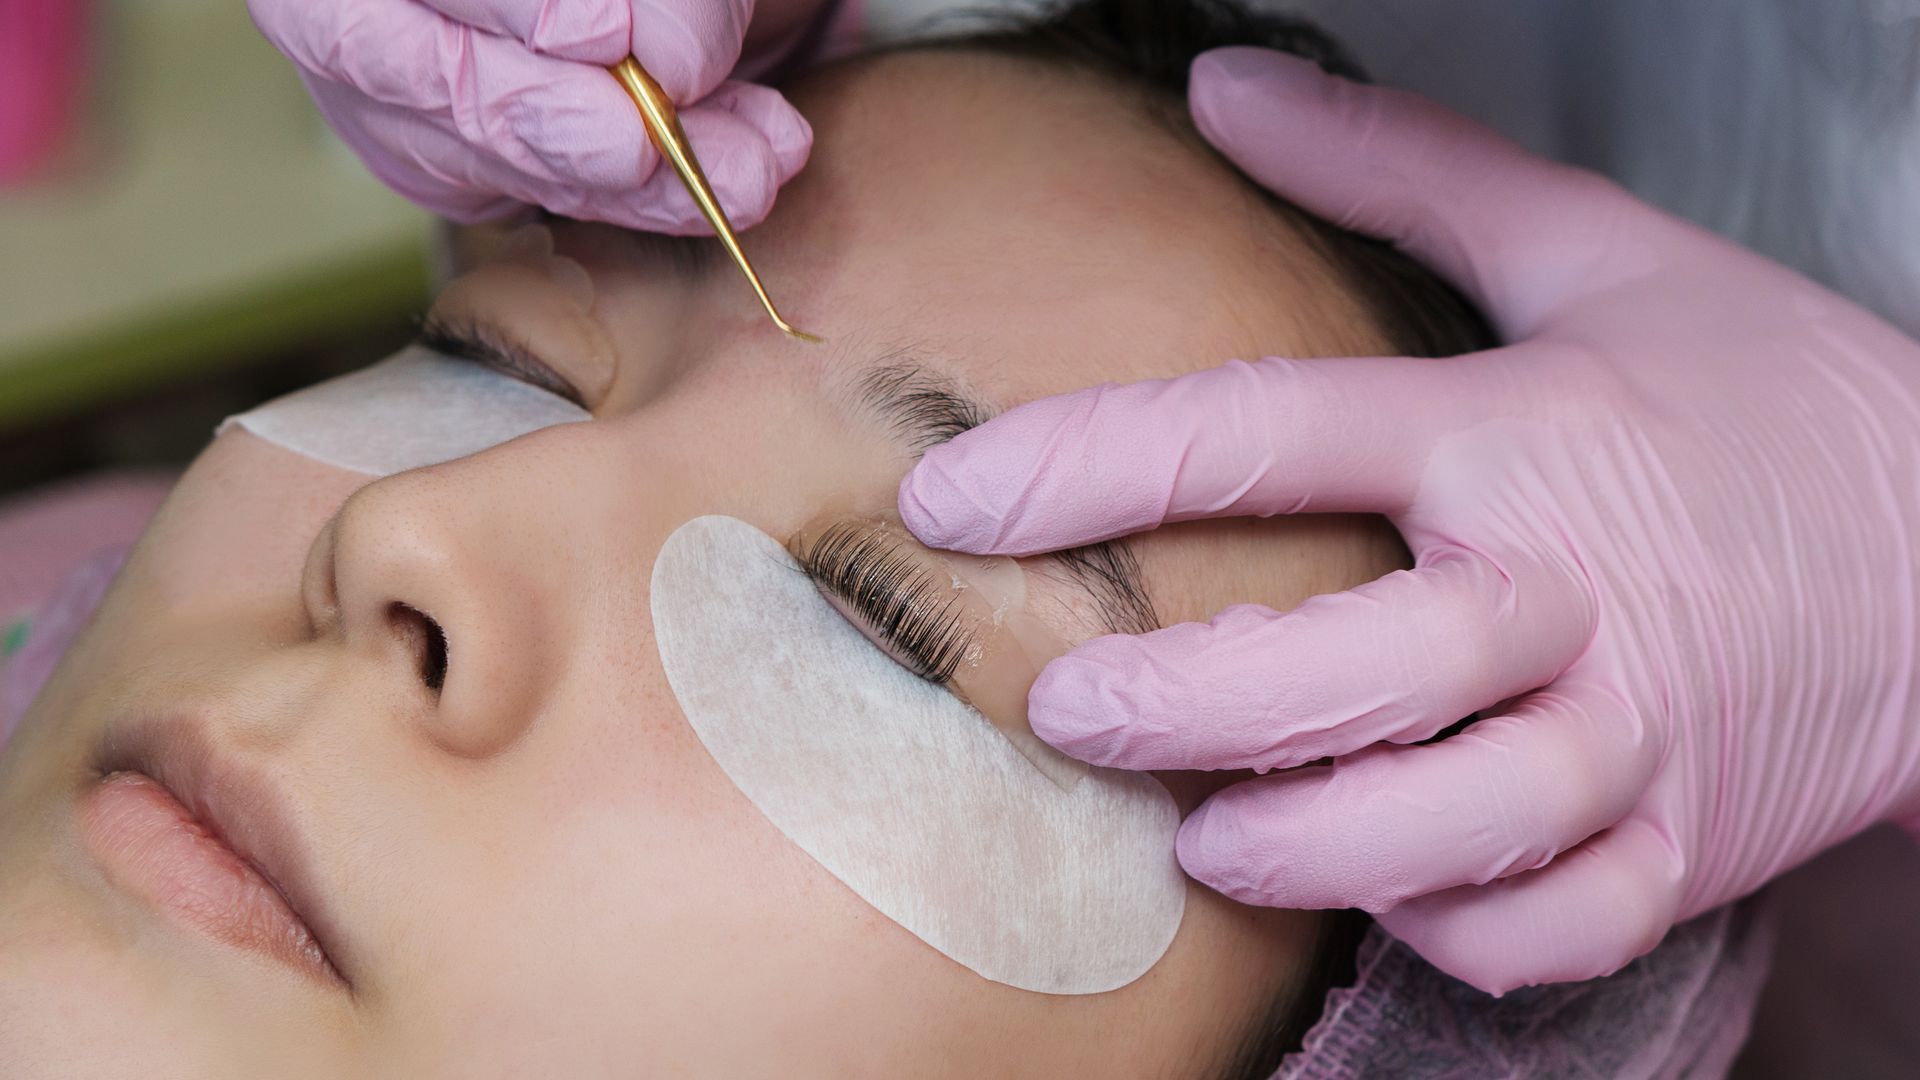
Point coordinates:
[[536, 869]]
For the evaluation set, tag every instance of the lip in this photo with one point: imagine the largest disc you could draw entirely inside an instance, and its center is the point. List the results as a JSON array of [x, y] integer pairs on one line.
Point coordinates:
[[211, 841]]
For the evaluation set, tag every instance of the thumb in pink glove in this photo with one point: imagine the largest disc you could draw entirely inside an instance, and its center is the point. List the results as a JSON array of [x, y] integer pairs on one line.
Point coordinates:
[[478, 108], [1668, 540]]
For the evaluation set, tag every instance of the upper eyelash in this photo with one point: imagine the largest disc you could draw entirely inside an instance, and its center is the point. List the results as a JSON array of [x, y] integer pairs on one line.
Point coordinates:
[[483, 344], [897, 596]]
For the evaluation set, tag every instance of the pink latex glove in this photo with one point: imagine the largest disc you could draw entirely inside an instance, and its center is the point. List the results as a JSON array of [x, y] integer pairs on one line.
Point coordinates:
[[477, 108], [1668, 539]]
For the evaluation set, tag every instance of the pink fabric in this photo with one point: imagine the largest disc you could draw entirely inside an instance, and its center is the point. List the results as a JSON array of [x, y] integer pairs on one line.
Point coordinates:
[[62, 547], [54, 627], [1680, 1011], [42, 57], [45, 534]]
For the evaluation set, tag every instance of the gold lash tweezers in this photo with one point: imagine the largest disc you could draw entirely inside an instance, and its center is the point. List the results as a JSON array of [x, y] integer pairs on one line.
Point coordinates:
[[663, 128]]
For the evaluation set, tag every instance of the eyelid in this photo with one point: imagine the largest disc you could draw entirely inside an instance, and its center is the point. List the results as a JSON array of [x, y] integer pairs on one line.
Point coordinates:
[[895, 596], [492, 347], [937, 614]]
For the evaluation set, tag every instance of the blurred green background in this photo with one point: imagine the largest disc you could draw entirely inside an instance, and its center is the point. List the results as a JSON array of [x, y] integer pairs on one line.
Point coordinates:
[[198, 243]]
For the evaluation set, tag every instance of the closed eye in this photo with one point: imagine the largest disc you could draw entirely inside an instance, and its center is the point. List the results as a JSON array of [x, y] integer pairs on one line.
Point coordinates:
[[489, 346], [892, 595]]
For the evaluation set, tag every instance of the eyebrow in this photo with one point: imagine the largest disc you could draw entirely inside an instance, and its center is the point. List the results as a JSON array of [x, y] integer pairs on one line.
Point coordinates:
[[924, 407]]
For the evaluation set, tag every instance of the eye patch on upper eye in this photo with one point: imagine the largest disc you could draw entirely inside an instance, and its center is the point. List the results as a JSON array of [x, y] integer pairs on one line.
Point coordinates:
[[905, 794], [413, 409]]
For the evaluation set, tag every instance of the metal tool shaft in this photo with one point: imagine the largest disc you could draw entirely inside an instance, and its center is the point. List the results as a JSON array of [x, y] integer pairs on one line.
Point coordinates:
[[663, 127]]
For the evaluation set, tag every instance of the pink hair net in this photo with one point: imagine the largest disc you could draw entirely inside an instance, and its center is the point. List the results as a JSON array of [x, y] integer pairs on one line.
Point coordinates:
[[1681, 1010]]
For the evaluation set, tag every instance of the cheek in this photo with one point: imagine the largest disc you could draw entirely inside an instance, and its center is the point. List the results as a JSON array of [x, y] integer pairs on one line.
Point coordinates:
[[242, 518], [622, 896], [91, 995], [91, 1023]]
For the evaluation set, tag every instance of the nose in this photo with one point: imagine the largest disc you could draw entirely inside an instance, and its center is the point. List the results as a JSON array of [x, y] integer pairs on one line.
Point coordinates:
[[412, 579]]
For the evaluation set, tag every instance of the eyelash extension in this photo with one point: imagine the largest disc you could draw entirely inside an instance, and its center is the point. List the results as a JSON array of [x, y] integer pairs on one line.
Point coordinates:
[[489, 347], [896, 596]]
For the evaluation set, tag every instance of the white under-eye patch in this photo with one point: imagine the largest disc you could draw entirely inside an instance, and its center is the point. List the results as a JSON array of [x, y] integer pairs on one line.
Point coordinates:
[[413, 409], [908, 796]]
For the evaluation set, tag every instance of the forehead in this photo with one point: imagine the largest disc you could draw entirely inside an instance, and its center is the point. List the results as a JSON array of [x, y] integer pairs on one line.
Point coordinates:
[[1041, 224]]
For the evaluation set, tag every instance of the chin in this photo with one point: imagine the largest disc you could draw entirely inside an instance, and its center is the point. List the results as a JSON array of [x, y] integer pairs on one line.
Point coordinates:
[[67, 1008]]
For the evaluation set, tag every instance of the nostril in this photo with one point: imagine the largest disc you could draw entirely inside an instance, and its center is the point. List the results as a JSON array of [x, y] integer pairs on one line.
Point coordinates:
[[425, 639]]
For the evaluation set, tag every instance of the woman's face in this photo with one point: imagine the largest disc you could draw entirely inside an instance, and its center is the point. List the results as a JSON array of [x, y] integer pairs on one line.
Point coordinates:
[[535, 868]]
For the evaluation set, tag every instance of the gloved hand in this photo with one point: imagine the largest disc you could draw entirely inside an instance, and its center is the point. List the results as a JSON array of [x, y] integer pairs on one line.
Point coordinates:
[[1668, 539], [476, 108]]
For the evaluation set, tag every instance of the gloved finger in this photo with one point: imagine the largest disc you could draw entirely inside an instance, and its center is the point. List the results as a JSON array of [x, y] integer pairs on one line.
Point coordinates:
[[1394, 660], [689, 46], [551, 119], [588, 31], [1587, 913], [1502, 797], [551, 133], [1275, 437], [450, 190], [746, 165], [1516, 232], [467, 184], [435, 167]]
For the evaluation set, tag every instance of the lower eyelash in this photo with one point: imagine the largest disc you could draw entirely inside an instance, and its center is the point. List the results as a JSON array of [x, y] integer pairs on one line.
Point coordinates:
[[894, 593]]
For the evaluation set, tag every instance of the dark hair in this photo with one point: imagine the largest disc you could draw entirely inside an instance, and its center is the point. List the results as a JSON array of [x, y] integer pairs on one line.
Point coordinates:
[[1149, 46]]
